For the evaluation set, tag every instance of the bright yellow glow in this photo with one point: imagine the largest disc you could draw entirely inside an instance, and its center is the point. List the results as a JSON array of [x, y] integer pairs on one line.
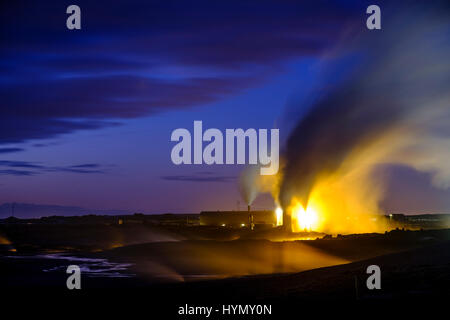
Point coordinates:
[[304, 220], [338, 205], [279, 216], [347, 198], [242, 224]]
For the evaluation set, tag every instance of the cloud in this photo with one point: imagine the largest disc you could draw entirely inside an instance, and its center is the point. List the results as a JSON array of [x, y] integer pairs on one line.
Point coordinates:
[[145, 61], [199, 177], [10, 172], [34, 168], [87, 165], [20, 164], [14, 129], [10, 150], [110, 97], [40, 145]]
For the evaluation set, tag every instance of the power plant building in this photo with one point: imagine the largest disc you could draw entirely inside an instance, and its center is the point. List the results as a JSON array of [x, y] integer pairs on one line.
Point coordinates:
[[238, 219]]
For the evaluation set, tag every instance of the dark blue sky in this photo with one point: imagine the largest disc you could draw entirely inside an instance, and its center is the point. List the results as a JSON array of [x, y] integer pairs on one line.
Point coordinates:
[[86, 115]]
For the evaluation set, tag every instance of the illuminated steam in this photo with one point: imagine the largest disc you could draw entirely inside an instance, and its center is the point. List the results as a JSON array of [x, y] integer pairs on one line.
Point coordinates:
[[394, 108], [251, 183], [248, 184]]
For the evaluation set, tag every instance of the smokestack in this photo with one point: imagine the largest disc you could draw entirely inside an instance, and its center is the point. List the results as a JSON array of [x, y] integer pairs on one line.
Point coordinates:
[[287, 223], [248, 207]]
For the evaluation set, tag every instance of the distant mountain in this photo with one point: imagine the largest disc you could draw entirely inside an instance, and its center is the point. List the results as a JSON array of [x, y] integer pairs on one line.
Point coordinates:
[[28, 210]]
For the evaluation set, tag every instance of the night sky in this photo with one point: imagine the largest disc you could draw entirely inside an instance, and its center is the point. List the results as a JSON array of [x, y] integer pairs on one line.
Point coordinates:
[[86, 115]]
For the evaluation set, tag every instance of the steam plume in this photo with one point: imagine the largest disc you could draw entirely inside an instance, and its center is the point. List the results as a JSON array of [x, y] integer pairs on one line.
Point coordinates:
[[252, 183], [394, 108]]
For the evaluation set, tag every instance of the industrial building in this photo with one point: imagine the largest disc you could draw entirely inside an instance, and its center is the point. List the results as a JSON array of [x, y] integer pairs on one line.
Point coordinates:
[[238, 219]]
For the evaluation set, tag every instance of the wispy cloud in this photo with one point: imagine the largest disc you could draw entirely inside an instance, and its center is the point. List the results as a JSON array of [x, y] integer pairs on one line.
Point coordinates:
[[20, 164], [10, 150], [199, 177], [86, 165], [34, 168], [11, 172]]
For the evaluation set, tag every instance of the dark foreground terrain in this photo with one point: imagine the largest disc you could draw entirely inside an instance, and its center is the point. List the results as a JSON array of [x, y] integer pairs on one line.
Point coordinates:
[[172, 266]]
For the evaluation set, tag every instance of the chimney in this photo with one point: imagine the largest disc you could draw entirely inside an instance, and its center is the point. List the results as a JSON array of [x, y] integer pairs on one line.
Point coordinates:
[[287, 222], [248, 207]]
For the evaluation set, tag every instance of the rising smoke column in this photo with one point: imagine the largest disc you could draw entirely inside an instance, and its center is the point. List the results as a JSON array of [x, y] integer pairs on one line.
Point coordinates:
[[393, 108], [252, 183], [248, 185]]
